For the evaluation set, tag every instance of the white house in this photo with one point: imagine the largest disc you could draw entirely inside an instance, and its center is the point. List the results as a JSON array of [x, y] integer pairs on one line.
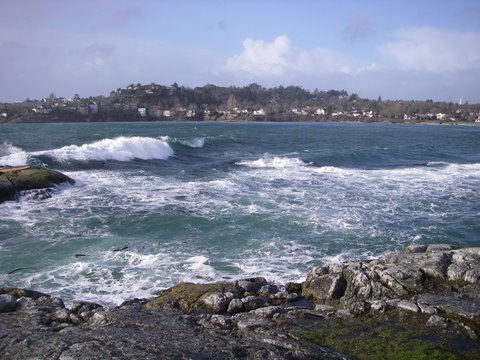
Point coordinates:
[[260, 112], [142, 111], [320, 111], [166, 113]]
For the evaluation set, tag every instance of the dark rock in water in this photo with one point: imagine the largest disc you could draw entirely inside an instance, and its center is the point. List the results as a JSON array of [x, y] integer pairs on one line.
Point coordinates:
[[7, 191], [121, 249], [16, 180]]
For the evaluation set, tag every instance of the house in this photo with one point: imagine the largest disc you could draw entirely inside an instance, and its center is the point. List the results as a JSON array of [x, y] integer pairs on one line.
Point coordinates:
[[320, 112], [260, 112], [190, 113], [93, 107], [166, 113], [142, 112], [441, 116], [3, 114]]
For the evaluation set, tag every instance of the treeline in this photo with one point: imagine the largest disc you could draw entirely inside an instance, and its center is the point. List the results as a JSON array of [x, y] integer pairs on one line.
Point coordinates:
[[252, 102]]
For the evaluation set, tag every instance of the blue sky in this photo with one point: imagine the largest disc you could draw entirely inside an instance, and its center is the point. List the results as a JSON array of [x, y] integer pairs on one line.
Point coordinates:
[[395, 49]]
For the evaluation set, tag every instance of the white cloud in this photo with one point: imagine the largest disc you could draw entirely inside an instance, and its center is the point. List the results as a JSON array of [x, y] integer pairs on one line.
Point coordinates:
[[428, 49], [281, 59], [261, 58]]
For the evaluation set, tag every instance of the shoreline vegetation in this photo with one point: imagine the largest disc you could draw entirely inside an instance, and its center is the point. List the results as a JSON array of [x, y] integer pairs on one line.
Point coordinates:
[[420, 303], [155, 102]]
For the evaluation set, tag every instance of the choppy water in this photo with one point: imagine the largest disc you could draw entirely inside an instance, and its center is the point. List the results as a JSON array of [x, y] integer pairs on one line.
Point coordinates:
[[159, 203]]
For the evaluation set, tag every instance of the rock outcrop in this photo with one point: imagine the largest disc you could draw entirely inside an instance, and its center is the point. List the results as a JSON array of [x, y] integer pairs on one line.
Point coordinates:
[[433, 289], [435, 280], [14, 181]]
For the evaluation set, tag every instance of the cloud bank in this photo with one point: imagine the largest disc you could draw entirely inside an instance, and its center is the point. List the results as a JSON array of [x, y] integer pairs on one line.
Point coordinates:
[[417, 63]]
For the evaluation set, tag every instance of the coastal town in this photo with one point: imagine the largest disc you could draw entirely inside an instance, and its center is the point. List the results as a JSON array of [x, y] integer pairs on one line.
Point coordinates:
[[155, 102]]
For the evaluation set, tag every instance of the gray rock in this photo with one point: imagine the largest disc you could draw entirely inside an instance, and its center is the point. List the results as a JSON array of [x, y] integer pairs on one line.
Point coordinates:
[[216, 302], [379, 306], [253, 285], [7, 303], [25, 303], [439, 247], [426, 309], [325, 310], [415, 249], [235, 305], [464, 308], [60, 315], [268, 289], [437, 322], [465, 266], [267, 311], [79, 306], [252, 302], [222, 322], [408, 306], [253, 324]]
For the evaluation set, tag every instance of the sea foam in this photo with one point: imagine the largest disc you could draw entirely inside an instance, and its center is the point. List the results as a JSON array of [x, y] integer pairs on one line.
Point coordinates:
[[11, 155], [269, 162], [120, 149]]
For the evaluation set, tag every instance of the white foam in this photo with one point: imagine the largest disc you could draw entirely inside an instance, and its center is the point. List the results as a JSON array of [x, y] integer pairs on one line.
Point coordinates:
[[11, 155], [273, 163], [121, 149], [194, 142]]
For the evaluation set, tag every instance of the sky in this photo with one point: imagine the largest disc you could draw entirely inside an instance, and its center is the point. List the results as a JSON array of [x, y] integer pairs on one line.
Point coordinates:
[[399, 50]]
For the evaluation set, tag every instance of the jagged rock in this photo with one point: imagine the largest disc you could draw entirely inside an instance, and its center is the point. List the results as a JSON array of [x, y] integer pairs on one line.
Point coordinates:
[[7, 303], [465, 266]]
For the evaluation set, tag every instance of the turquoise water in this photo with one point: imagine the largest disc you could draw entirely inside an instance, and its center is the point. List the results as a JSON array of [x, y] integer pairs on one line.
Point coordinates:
[[159, 203]]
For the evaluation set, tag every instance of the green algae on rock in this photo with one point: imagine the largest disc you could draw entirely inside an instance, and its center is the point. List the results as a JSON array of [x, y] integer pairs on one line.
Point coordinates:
[[15, 180]]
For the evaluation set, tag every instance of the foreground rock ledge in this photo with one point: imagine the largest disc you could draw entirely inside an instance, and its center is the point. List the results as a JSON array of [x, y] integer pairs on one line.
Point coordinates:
[[435, 287], [15, 180]]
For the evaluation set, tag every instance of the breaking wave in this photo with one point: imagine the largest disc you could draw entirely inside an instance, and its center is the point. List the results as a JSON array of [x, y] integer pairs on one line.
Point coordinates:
[[119, 149], [267, 162], [11, 155]]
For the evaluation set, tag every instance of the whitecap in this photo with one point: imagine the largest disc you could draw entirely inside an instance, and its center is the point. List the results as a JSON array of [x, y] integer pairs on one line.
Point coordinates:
[[269, 162], [11, 155], [121, 149]]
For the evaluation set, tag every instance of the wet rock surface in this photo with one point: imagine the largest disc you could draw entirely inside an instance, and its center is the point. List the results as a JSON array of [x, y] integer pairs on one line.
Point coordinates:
[[36, 181], [434, 288]]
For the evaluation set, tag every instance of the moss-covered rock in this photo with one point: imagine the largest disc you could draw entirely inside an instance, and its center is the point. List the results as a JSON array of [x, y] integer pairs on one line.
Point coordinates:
[[188, 296], [14, 180]]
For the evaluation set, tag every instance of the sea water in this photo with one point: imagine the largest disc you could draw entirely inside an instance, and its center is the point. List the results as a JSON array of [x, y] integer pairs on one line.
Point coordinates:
[[159, 203]]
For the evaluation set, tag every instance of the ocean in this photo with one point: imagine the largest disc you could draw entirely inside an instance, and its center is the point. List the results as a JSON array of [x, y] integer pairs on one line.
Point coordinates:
[[158, 203]]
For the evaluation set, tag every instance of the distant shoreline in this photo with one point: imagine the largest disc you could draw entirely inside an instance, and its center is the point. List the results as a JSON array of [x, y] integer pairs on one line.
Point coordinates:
[[48, 119]]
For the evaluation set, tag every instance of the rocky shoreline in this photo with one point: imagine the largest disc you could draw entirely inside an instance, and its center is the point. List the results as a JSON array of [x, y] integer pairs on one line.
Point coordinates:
[[422, 301]]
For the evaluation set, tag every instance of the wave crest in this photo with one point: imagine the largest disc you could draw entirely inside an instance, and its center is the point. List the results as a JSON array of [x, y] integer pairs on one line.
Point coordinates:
[[11, 155], [268, 162], [121, 149]]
